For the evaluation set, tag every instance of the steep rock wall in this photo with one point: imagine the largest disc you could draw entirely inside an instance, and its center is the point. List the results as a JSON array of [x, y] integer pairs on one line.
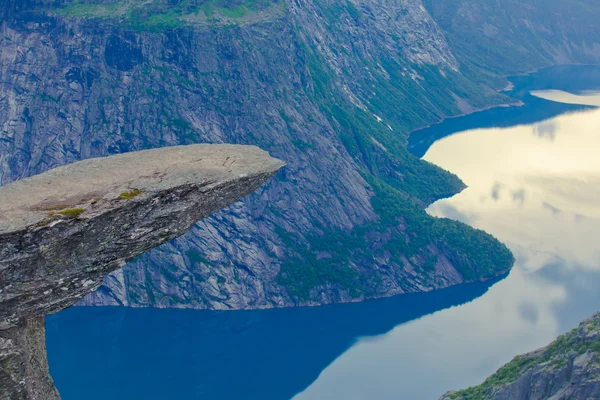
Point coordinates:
[[63, 231], [332, 88]]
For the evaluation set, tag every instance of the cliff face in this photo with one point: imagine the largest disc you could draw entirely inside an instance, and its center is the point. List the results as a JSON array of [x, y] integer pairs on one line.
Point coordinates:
[[281, 78], [63, 231], [331, 87], [566, 369]]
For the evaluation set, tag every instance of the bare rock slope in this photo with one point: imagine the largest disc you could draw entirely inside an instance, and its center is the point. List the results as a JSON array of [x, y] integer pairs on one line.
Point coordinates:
[[63, 231], [567, 369]]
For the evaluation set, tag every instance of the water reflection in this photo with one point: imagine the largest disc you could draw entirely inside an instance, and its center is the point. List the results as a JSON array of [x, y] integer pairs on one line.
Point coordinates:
[[125, 354], [535, 187], [540, 196], [543, 95], [589, 98], [534, 110]]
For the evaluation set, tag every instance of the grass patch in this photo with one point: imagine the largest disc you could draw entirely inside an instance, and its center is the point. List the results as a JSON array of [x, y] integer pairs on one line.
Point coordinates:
[[130, 194], [71, 212], [162, 14]]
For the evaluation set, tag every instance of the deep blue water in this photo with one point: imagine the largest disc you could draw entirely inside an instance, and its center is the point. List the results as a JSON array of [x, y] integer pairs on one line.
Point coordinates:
[[408, 347], [155, 354]]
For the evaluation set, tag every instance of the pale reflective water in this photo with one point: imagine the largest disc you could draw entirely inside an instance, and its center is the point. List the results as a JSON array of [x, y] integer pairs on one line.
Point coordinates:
[[534, 184], [590, 98], [537, 188]]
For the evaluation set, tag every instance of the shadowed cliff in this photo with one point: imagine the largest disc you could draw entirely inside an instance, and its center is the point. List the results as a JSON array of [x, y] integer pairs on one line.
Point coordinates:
[[332, 87], [63, 231]]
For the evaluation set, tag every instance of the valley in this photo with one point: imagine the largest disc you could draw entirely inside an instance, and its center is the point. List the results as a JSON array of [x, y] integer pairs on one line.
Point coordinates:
[[402, 344], [397, 121]]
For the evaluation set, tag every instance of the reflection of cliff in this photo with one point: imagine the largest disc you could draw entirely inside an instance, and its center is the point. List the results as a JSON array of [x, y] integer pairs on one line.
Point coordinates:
[[63, 231], [533, 109], [268, 354]]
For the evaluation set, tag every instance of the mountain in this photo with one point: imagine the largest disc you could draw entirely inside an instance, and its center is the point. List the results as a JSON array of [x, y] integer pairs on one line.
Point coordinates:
[[568, 368], [509, 37], [333, 88]]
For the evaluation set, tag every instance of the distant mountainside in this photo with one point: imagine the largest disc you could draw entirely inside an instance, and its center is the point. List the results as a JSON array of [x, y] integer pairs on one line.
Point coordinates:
[[333, 88], [568, 368], [505, 37]]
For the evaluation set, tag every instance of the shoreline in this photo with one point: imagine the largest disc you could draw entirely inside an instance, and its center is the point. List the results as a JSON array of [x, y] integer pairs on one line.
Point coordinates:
[[518, 103], [507, 89]]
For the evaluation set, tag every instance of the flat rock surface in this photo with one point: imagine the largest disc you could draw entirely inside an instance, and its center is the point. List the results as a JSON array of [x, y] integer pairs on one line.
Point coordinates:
[[30, 201], [63, 231]]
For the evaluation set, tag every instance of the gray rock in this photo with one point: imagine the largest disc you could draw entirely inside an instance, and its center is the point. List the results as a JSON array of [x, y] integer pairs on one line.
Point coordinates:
[[23, 363], [63, 231], [567, 369], [74, 88]]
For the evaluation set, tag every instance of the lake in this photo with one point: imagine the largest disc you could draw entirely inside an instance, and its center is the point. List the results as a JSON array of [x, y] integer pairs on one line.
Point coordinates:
[[533, 176]]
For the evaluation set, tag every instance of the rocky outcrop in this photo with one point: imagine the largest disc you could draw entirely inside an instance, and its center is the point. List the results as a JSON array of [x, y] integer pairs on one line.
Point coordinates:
[[63, 231], [567, 369], [24, 371], [334, 87], [330, 86]]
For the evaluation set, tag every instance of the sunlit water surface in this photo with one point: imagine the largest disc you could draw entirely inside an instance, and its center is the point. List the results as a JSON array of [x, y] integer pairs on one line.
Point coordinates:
[[589, 97], [535, 186]]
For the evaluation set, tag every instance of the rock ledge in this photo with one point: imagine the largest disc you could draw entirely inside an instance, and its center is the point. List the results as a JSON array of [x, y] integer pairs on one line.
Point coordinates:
[[63, 231]]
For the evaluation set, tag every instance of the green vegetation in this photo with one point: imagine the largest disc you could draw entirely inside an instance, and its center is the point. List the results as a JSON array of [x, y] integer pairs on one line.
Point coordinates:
[[165, 14], [79, 8], [475, 254], [402, 183], [196, 257], [307, 272], [569, 345], [61, 210], [507, 374], [130, 194], [71, 212], [571, 342]]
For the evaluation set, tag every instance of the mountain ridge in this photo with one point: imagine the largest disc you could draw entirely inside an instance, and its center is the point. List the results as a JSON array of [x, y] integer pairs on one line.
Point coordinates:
[[332, 88]]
